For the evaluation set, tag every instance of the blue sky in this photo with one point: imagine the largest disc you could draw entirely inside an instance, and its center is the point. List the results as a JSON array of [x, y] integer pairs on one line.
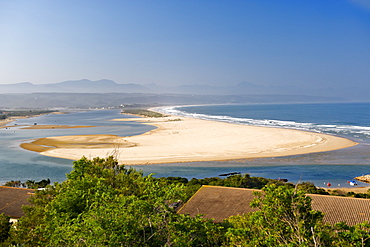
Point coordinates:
[[303, 43]]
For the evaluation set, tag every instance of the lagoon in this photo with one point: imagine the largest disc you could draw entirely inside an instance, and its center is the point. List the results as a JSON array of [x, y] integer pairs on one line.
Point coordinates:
[[336, 167]]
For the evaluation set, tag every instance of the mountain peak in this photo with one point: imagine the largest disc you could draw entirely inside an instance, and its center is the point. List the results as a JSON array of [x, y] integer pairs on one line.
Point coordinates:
[[247, 84]]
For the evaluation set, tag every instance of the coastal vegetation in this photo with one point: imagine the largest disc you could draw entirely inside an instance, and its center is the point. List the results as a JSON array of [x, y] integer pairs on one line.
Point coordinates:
[[5, 227], [22, 113], [29, 184], [141, 112], [105, 204], [246, 181]]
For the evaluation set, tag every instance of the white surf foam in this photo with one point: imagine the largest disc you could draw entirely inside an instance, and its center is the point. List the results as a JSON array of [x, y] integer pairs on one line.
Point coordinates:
[[355, 131]]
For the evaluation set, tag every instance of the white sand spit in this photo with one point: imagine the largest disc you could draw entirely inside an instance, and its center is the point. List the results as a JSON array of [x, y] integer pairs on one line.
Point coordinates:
[[179, 139]]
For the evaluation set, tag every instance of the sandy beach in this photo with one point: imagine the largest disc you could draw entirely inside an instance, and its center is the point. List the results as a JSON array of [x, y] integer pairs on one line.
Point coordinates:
[[345, 190], [5, 122], [55, 127], [179, 139]]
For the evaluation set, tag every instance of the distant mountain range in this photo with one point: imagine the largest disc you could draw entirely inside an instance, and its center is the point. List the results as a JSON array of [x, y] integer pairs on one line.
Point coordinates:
[[109, 86], [107, 93], [79, 86], [98, 100]]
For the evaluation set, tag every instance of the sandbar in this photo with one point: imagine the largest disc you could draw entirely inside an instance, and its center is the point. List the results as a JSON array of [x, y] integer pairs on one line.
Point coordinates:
[[4, 122], [3, 125], [180, 139], [56, 126]]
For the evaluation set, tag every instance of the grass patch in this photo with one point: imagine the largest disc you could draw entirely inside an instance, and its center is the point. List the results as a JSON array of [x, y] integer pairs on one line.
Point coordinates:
[[23, 113], [143, 113]]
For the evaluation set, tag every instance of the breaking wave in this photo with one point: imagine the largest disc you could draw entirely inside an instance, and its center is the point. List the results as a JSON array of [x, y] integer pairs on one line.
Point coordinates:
[[343, 130]]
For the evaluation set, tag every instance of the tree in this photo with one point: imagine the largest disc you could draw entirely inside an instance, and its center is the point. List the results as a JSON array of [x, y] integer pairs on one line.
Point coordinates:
[[103, 203], [357, 235], [30, 184], [310, 188], [4, 227], [285, 218], [13, 183]]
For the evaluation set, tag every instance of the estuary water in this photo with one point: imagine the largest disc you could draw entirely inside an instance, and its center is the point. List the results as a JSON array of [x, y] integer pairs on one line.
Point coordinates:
[[351, 121], [19, 164]]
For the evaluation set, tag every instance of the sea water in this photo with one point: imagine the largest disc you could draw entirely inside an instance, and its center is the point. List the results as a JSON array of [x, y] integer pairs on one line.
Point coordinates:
[[351, 121], [348, 120]]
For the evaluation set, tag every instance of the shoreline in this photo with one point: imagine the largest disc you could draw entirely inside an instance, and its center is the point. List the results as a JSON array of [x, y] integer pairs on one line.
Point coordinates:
[[181, 139], [8, 120], [344, 190], [5, 122]]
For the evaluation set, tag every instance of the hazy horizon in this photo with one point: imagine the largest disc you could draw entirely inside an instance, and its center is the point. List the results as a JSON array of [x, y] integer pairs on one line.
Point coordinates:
[[311, 46]]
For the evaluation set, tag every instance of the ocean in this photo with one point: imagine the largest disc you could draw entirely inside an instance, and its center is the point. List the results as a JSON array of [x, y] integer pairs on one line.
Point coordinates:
[[349, 120]]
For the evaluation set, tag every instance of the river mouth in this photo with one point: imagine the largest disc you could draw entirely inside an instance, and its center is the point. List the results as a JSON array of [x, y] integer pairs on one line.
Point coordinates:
[[16, 163]]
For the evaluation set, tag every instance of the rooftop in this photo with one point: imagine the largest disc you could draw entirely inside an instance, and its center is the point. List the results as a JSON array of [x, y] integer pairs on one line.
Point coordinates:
[[12, 199], [219, 203]]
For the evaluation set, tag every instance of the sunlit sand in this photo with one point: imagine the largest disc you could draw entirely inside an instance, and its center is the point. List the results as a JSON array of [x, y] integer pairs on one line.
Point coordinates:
[[179, 139]]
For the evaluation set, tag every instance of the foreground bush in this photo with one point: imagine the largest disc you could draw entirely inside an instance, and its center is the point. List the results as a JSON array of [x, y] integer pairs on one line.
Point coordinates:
[[104, 204]]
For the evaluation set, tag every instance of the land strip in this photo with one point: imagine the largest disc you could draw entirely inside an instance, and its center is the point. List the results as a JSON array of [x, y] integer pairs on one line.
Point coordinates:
[[179, 139]]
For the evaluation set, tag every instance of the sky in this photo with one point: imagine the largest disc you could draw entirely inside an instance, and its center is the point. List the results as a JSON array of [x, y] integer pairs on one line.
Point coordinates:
[[302, 43]]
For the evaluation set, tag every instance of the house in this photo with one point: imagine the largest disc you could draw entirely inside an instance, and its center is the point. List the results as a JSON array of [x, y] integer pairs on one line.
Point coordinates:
[[219, 203], [12, 199]]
